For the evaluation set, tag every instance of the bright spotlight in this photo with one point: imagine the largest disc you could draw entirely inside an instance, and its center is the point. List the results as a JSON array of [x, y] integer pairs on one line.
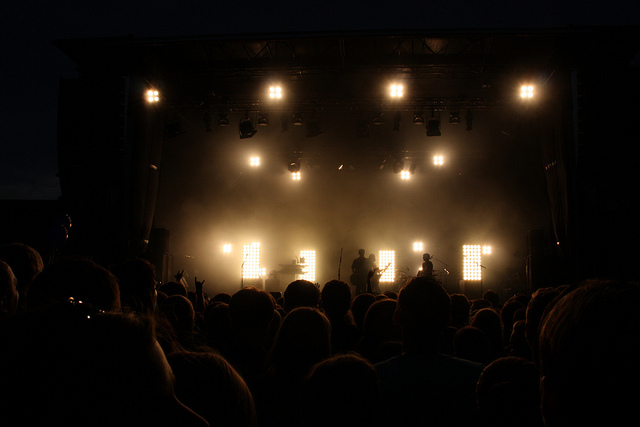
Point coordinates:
[[486, 250], [254, 161], [526, 92], [153, 96], [418, 247], [251, 261], [405, 175], [226, 248], [438, 160], [396, 91], [471, 262], [295, 176], [308, 261], [275, 92], [387, 262]]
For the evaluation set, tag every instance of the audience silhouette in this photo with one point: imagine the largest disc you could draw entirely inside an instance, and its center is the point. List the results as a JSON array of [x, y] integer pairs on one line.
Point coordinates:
[[82, 344]]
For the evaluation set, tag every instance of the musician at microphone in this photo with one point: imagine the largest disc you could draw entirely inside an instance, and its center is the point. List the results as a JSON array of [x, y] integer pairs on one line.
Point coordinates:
[[427, 267]]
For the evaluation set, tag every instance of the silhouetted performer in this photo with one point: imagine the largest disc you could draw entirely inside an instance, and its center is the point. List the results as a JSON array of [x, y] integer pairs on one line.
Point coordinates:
[[427, 267], [360, 271]]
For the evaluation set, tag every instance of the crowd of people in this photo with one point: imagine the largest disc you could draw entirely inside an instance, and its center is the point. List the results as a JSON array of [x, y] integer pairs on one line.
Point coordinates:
[[85, 344]]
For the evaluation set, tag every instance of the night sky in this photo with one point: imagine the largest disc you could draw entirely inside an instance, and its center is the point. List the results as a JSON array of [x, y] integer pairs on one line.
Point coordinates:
[[31, 66]]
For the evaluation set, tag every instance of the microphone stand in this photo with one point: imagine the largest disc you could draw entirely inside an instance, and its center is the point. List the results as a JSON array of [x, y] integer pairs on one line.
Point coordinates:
[[446, 270]]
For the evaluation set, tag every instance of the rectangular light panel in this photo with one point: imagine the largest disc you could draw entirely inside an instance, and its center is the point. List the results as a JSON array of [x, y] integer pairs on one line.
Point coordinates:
[[308, 261], [471, 262], [251, 261], [387, 259]]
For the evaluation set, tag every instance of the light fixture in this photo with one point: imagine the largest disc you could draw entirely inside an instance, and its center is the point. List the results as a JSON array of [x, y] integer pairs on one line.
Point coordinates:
[[226, 248], [438, 160], [526, 92], [153, 96], [297, 119], [308, 262], [396, 91], [418, 118], [418, 247], [263, 119], [387, 262], [295, 176], [486, 250], [471, 262], [223, 119], [251, 261], [246, 129], [433, 126], [254, 161], [294, 166], [377, 119], [454, 117], [406, 175], [275, 92]]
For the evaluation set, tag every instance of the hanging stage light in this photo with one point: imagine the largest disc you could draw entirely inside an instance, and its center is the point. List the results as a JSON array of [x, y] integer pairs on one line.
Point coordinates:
[[223, 119], [433, 126], [246, 129], [454, 117], [418, 118]]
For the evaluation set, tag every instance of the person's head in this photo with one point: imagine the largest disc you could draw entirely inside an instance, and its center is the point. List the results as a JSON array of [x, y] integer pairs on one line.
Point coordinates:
[[378, 322], [471, 343], [460, 307], [540, 299], [301, 293], [80, 279], [179, 311], [137, 283], [74, 365], [341, 391], [336, 299], [251, 312], [422, 312], [493, 297], [359, 306], [303, 340], [372, 258], [173, 288], [209, 385], [361, 252], [426, 257], [589, 355], [8, 292], [508, 394]]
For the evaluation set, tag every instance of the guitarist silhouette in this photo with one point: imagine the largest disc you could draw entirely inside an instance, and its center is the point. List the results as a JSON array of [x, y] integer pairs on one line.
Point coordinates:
[[373, 278]]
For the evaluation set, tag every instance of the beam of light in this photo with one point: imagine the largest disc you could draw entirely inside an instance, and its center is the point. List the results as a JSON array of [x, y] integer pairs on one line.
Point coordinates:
[[226, 248], [254, 161], [418, 247], [396, 91], [486, 250], [471, 262], [438, 160], [153, 96], [526, 92], [275, 92], [387, 262], [251, 261], [295, 176], [308, 261], [405, 175]]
